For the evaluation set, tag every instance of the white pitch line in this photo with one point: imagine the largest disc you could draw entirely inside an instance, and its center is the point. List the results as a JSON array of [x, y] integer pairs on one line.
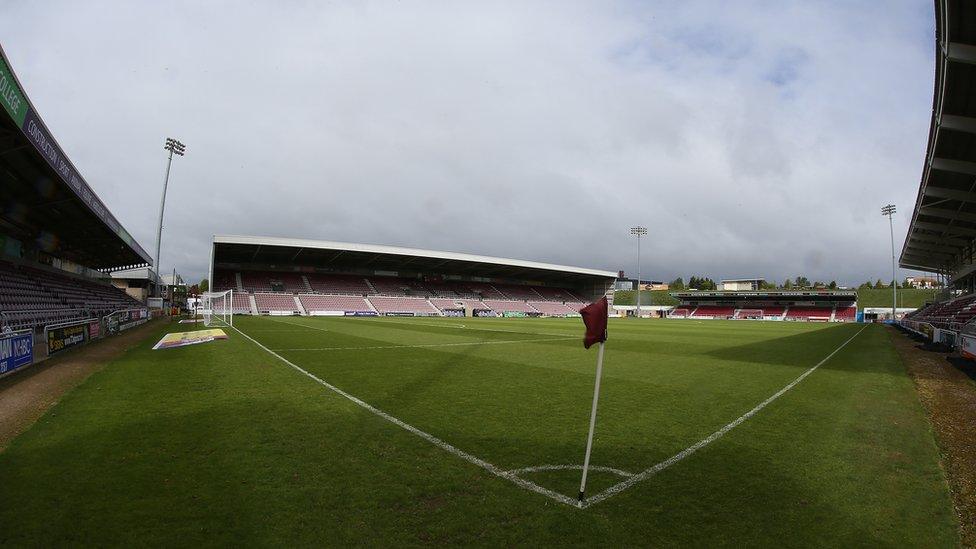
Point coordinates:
[[297, 324], [643, 475], [419, 345], [275, 331], [528, 485], [455, 326], [493, 469], [600, 468]]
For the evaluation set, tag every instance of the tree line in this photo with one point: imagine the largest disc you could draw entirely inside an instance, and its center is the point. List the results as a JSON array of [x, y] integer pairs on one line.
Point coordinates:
[[796, 283]]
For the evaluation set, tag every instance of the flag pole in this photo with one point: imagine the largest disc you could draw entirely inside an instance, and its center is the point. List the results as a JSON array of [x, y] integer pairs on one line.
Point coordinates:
[[589, 437]]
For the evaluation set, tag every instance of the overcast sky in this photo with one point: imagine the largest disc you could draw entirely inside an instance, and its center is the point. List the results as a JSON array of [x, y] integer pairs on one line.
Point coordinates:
[[750, 138]]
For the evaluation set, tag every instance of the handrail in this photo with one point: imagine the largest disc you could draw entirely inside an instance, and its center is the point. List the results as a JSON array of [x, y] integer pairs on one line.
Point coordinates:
[[125, 311], [67, 323], [34, 311]]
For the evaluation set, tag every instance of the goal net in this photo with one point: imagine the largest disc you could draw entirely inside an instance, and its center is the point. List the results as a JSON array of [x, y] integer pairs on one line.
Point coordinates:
[[217, 308], [753, 314]]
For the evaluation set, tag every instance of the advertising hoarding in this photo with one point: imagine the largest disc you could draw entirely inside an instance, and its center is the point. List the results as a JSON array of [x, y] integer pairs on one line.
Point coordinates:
[[66, 337], [16, 351]]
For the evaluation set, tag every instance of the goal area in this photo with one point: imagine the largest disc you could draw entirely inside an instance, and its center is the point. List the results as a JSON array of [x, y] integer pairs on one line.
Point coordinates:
[[217, 308]]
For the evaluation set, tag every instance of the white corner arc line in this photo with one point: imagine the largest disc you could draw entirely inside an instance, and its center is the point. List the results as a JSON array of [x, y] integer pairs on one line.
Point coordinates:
[[651, 471], [493, 469], [600, 468]]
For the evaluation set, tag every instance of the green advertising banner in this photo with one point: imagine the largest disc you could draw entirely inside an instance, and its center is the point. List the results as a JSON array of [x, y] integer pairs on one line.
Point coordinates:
[[10, 95]]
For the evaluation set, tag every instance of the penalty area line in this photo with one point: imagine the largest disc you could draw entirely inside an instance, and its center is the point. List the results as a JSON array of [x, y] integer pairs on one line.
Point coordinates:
[[425, 345], [445, 325], [297, 324], [651, 471], [491, 468]]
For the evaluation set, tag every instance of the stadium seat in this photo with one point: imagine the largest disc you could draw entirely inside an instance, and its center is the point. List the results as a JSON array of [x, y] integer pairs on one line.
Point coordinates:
[[224, 280], [241, 303], [338, 284], [416, 305], [260, 281], [554, 294], [268, 302], [445, 303], [485, 291], [552, 308], [33, 298], [809, 313], [846, 314], [713, 311], [524, 293], [505, 306], [333, 303], [950, 314], [392, 286], [449, 289]]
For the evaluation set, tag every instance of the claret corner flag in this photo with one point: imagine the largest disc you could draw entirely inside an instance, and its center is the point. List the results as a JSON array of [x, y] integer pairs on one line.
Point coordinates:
[[595, 318]]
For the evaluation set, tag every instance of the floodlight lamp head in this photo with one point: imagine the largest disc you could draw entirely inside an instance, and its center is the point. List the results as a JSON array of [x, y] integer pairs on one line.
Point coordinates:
[[175, 146]]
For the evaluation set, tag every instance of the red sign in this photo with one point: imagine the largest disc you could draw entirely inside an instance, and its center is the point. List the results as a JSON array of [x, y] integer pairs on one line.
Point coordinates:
[[94, 329]]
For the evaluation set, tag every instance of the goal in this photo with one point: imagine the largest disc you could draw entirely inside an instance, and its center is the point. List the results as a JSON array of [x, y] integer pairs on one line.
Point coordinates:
[[751, 314], [217, 308]]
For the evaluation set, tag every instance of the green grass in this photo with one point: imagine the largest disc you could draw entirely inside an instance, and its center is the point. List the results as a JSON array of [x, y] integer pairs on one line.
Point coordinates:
[[882, 297], [224, 444], [648, 297], [865, 298]]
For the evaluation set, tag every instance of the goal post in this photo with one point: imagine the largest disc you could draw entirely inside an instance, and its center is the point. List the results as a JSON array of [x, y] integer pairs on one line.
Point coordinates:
[[217, 308], [749, 314]]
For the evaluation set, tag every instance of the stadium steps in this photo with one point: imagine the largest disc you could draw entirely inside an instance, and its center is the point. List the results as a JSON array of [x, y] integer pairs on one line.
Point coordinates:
[[372, 290], [250, 299], [833, 314], [298, 303], [370, 303], [308, 285], [240, 284]]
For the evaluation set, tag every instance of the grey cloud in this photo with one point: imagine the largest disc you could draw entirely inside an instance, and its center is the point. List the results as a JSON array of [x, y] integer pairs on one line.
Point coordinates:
[[751, 138]]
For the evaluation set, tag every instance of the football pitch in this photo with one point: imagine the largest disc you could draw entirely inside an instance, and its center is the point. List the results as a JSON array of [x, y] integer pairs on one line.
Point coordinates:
[[409, 431]]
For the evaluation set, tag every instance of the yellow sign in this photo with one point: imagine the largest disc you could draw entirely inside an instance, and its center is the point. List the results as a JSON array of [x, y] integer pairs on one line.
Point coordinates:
[[182, 339]]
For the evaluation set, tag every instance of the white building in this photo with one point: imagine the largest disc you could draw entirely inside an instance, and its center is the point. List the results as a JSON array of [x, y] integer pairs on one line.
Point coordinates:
[[742, 284], [923, 282]]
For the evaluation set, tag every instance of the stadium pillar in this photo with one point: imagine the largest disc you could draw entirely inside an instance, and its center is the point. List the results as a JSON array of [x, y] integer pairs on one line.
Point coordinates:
[[173, 146]]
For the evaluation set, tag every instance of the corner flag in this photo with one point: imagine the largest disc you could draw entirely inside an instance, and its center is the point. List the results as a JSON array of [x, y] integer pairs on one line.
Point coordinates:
[[595, 318]]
